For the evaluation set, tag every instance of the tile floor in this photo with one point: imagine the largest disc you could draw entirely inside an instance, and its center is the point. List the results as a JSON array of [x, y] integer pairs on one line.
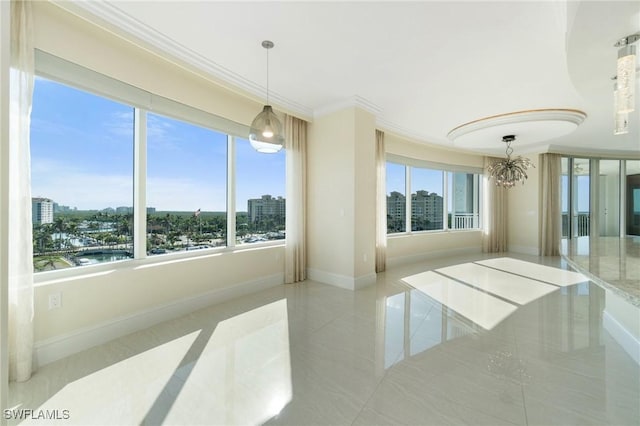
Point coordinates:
[[388, 354]]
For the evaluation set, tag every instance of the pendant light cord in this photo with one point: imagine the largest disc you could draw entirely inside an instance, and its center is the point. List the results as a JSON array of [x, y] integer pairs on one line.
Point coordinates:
[[267, 76], [509, 150]]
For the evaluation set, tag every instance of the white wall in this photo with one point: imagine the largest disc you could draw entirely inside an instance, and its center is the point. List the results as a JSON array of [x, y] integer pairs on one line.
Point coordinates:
[[341, 198], [112, 297], [420, 246]]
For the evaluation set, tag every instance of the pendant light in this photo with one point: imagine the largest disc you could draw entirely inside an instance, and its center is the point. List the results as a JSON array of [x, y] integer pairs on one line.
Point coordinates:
[[626, 74], [266, 134], [508, 172]]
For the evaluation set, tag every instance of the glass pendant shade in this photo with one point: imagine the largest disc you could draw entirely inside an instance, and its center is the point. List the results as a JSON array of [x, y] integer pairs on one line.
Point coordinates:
[[621, 119], [626, 80], [266, 133]]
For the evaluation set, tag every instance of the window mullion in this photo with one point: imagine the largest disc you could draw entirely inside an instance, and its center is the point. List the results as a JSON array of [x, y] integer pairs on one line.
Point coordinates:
[[445, 201], [140, 184], [231, 191], [407, 198]]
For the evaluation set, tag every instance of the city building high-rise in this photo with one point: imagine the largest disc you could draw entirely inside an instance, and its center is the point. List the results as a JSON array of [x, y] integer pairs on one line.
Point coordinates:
[[41, 210], [265, 206], [396, 211], [426, 210]]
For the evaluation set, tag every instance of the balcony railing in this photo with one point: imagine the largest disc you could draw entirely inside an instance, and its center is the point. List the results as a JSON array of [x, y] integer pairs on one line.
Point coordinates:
[[465, 221], [583, 224]]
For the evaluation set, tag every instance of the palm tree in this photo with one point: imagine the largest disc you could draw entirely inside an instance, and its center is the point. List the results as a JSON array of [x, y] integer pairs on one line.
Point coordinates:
[[60, 225]]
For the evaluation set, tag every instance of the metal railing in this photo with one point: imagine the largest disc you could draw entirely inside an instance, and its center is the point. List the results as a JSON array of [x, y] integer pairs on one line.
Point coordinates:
[[583, 224], [465, 221]]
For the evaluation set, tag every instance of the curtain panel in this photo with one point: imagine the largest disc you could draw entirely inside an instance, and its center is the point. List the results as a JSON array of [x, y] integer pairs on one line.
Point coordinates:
[[381, 204], [20, 258], [296, 205], [550, 205], [495, 235]]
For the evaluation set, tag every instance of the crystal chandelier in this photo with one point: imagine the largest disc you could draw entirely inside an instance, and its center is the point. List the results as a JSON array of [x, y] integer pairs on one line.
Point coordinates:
[[508, 172], [624, 88]]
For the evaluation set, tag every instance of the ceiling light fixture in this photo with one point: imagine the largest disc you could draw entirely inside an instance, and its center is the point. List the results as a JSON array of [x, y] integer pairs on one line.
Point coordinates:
[[620, 119], [626, 73], [266, 133], [508, 172]]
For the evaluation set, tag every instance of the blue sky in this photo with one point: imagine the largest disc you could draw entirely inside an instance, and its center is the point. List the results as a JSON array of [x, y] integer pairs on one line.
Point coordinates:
[[82, 156]]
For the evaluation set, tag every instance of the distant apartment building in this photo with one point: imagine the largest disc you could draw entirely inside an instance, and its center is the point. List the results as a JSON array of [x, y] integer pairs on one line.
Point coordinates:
[[57, 208], [124, 210], [265, 207], [41, 210], [396, 211], [426, 211]]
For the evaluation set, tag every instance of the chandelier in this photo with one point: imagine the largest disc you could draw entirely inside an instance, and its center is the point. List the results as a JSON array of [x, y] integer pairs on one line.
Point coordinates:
[[625, 83], [508, 172]]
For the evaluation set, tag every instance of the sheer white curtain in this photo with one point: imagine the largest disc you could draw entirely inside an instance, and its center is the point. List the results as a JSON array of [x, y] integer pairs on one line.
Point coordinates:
[[295, 262], [550, 205], [20, 266], [381, 204], [494, 236]]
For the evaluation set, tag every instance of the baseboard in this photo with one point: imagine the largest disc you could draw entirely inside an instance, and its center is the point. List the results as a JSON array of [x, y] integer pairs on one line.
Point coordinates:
[[435, 254], [620, 334], [342, 281], [365, 280], [55, 348]]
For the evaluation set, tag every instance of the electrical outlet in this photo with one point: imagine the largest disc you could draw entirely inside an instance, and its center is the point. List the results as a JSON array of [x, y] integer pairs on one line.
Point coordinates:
[[55, 300]]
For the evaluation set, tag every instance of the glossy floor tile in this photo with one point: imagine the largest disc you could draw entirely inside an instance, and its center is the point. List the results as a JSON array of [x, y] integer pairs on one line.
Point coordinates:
[[481, 308], [514, 288], [548, 274], [389, 354]]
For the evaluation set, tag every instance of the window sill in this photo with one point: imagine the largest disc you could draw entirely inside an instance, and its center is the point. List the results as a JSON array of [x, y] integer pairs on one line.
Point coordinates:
[[432, 232]]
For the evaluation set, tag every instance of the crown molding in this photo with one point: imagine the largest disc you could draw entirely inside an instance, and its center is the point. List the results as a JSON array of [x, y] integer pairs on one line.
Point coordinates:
[[594, 153], [113, 19], [391, 127], [355, 101]]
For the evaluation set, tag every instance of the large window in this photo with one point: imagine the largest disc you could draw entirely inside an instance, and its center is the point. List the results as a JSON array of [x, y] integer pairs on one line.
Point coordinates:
[[426, 199], [396, 200], [260, 201], [440, 199], [82, 177], [186, 186], [100, 166]]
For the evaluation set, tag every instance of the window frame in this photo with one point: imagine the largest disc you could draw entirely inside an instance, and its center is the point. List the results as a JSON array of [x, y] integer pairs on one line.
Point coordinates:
[[445, 169], [78, 77]]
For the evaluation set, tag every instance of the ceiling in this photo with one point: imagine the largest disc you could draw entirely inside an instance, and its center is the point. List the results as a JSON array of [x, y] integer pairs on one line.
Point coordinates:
[[423, 68]]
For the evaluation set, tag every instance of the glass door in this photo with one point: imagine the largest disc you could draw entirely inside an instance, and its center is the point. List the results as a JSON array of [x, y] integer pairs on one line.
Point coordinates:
[[580, 189], [633, 197], [609, 198]]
